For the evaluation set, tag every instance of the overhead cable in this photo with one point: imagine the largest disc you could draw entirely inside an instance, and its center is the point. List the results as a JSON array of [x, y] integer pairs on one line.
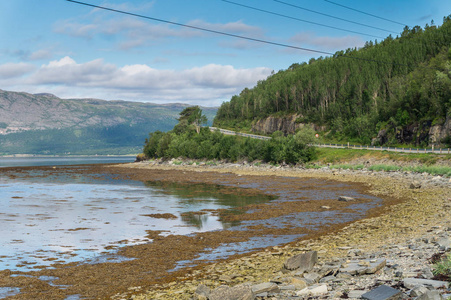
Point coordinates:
[[201, 28], [301, 20], [365, 13], [334, 17], [237, 36]]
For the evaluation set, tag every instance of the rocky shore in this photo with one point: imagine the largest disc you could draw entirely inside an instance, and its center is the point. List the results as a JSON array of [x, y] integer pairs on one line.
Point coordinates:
[[387, 256]]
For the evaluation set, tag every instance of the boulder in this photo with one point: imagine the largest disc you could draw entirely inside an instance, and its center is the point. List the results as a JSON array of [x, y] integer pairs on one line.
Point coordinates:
[[346, 198], [202, 292], [314, 290], [238, 292], [415, 185], [265, 287], [412, 283], [363, 266], [383, 292], [302, 262], [430, 295]]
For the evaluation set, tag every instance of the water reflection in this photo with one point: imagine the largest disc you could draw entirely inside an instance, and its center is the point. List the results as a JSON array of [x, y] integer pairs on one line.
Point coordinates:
[[64, 216]]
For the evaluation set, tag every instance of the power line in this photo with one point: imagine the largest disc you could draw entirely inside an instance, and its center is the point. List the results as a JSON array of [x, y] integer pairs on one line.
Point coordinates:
[[297, 19], [334, 17], [201, 28], [235, 35], [365, 13]]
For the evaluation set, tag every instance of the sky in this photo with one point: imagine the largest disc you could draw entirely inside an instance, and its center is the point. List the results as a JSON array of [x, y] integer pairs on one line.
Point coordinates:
[[77, 51]]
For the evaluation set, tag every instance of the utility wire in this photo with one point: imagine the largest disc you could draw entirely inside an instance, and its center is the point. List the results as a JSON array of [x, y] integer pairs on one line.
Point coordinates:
[[201, 28], [365, 13], [334, 17], [238, 36], [297, 19]]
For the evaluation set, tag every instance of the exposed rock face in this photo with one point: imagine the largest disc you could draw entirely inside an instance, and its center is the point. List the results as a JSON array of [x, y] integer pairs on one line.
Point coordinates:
[[286, 124], [416, 134], [438, 133]]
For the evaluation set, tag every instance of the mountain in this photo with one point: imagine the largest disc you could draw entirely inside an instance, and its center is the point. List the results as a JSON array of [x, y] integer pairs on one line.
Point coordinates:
[[387, 92], [45, 124]]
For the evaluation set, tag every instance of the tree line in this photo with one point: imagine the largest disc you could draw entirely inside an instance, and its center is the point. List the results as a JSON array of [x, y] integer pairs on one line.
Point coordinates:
[[189, 140], [356, 92]]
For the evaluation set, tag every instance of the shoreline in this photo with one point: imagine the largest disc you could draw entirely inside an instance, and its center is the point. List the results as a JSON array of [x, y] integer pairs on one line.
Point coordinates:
[[396, 221], [426, 201]]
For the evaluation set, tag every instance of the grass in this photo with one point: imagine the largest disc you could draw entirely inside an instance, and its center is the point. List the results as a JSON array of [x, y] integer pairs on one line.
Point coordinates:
[[434, 170], [343, 159], [337, 155], [385, 168], [443, 267]]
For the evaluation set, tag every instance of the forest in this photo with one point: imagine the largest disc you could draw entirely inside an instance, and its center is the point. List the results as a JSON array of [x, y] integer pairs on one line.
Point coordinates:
[[189, 139], [390, 85]]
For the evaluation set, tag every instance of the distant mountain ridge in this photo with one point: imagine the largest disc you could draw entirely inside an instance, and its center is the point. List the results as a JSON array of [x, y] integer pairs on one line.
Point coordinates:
[[45, 124]]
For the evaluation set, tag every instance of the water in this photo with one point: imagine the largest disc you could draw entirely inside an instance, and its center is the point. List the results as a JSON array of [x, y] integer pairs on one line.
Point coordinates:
[[60, 215], [63, 216], [62, 160]]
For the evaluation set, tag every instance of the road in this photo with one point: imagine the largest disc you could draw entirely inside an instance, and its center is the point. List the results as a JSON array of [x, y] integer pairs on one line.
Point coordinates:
[[345, 146]]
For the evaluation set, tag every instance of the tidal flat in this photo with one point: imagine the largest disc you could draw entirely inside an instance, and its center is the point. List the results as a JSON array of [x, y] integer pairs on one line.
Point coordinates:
[[251, 212]]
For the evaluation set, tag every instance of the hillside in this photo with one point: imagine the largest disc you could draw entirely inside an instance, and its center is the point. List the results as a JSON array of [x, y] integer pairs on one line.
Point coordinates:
[[46, 124], [388, 92]]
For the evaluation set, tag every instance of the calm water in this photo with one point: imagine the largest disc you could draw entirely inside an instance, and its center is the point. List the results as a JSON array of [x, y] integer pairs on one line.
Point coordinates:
[[60, 215], [65, 216], [63, 160]]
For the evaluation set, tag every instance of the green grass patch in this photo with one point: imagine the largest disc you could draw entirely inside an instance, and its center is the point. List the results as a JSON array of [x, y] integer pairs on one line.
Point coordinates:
[[433, 170], [443, 267], [347, 167], [385, 168], [338, 156]]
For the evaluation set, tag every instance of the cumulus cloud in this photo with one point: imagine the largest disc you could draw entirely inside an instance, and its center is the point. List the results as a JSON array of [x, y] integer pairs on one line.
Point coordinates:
[[327, 43], [208, 85]]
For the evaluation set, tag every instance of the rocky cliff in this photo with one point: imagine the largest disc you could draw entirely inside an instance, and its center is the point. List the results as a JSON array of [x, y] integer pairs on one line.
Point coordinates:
[[286, 124], [438, 134]]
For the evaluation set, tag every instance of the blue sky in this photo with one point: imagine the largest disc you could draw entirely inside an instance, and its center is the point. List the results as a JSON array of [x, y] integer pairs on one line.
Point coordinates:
[[75, 51]]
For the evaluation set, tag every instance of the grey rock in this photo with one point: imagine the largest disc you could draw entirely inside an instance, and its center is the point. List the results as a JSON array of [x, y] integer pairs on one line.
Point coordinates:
[[412, 283], [383, 292], [304, 262], [418, 291], [202, 290], [355, 294], [312, 277], [444, 243], [427, 273], [363, 267], [327, 279], [265, 287], [239, 292], [415, 185], [314, 290], [346, 198], [430, 295]]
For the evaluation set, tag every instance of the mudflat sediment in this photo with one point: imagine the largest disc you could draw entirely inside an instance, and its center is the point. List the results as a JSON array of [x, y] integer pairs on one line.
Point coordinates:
[[405, 213], [416, 208]]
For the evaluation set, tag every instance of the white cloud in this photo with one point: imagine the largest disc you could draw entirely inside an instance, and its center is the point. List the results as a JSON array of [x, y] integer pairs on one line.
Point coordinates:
[[14, 70], [327, 43], [39, 55], [207, 85], [132, 33]]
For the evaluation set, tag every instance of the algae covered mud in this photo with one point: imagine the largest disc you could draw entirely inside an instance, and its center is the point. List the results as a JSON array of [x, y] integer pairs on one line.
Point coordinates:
[[93, 231]]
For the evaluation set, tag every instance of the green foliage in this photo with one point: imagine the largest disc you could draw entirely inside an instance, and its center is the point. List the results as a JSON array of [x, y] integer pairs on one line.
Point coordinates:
[[215, 145], [191, 116], [411, 84], [443, 267]]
